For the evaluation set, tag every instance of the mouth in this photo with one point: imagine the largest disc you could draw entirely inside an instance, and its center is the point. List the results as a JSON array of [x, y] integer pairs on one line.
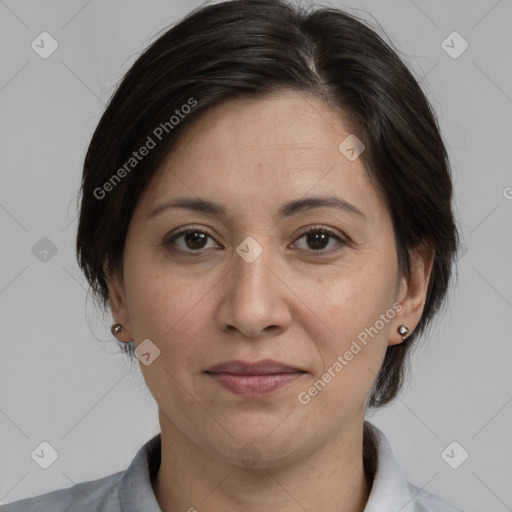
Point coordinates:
[[254, 379]]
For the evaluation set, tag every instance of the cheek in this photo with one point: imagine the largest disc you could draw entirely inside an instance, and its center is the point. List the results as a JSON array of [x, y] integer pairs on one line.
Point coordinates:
[[168, 306], [170, 311], [351, 299], [355, 312]]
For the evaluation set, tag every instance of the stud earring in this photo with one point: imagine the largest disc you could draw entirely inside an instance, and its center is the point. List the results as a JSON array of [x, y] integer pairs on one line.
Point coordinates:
[[403, 331], [116, 329]]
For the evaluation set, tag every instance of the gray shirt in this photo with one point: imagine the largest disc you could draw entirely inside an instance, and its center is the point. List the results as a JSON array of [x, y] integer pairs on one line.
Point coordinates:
[[132, 491]]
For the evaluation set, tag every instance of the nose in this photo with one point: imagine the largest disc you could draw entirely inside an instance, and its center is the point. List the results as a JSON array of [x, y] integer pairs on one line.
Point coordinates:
[[255, 298]]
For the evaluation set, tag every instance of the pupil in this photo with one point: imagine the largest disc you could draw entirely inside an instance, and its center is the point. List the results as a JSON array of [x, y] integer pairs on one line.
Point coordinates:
[[195, 240], [318, 237], [191, 239]]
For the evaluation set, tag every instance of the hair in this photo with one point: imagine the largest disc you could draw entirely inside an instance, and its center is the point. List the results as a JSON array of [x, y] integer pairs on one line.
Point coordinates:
[[254, 48]]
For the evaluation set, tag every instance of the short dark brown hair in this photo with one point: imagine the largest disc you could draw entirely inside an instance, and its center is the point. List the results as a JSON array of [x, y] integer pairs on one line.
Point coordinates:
[[253, 48]]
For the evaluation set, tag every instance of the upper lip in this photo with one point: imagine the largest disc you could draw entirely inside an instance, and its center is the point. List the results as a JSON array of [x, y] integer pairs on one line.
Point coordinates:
[[263, 367]]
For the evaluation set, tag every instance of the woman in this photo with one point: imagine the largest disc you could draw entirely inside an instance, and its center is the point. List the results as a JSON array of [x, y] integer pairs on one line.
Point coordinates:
[[266, 209]]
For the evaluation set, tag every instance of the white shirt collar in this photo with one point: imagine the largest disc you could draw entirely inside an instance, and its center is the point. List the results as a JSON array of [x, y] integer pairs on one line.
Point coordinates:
[[390, 491]]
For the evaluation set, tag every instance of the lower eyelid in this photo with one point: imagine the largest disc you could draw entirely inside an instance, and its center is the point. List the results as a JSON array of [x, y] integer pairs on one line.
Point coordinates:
[[340, 242], [170, 241]]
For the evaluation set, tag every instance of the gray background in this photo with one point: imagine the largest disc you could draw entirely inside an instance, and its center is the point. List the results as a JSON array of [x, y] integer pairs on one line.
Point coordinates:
[[61, 385]]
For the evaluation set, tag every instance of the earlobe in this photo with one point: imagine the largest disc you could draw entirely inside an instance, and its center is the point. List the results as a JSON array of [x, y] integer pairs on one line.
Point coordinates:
[[413, 291], [119, 332], [121, 327]]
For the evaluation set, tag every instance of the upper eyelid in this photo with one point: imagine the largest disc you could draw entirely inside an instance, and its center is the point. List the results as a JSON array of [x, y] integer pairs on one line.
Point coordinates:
[[330, 231]]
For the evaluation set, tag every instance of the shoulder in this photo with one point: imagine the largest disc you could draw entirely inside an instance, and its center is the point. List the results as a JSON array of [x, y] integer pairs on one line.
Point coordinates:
[[426, 501], [94, 495], [107, 494]]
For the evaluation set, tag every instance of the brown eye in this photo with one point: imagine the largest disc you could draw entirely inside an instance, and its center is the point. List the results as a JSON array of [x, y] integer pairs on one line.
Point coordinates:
[[317, 239], [192, 240]]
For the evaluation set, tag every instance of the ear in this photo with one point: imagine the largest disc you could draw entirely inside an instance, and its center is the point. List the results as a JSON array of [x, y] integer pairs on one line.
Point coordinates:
[[117, 300], [412, 292]]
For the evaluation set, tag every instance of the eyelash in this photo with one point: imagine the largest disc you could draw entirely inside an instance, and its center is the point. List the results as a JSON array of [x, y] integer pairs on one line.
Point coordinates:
[[315, 229]]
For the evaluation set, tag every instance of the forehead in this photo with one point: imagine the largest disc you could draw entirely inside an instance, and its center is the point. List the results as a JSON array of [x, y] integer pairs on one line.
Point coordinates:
[[259, 152], [285, 122]]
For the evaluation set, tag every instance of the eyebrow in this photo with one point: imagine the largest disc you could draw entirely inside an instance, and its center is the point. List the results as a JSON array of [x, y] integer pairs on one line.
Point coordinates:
[[288, 209]]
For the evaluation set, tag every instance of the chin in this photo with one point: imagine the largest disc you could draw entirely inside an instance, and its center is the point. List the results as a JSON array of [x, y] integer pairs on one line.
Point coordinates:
[[263, 446]]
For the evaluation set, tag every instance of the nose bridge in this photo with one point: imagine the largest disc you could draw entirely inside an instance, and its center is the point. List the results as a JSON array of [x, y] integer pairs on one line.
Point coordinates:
[[251, 276], [253, 297]]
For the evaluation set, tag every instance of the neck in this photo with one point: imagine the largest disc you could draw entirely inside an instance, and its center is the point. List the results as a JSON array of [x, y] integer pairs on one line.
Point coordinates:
[[334, 477]]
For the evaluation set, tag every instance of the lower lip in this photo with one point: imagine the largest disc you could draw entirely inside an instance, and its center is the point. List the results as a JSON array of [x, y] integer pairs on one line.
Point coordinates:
[[255, 385]]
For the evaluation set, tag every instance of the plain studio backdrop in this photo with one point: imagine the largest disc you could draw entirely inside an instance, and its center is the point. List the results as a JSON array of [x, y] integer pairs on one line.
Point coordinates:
[[449, 429]]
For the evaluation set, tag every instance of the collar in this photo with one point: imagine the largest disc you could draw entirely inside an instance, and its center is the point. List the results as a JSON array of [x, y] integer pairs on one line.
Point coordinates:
[[390, 490], [135, 489]]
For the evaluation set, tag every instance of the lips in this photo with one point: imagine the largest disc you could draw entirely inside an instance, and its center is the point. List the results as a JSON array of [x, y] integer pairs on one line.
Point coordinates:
[[264, 367], [254, 379]]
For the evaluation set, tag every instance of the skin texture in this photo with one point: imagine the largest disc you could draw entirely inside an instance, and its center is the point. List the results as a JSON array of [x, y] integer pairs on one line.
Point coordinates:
[[302, 302]]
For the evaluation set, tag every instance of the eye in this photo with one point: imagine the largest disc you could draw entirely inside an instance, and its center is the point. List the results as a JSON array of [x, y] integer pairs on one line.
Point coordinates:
[[318, 238], [193, 240]]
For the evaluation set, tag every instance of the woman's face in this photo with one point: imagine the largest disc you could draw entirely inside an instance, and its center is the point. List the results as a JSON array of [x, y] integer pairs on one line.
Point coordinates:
[[256, 287]]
